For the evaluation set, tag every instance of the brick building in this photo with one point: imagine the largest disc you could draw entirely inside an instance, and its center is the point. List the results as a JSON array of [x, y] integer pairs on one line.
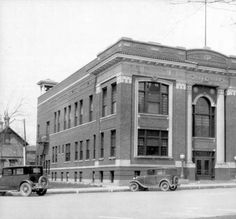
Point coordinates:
[[140, 105]]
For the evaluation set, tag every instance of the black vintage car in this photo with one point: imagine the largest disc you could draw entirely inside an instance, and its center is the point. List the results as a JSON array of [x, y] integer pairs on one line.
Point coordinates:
[[163, 178], [26, 179]]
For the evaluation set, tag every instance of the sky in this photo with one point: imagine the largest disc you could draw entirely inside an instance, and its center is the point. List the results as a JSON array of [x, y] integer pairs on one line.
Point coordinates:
[[41, 39]]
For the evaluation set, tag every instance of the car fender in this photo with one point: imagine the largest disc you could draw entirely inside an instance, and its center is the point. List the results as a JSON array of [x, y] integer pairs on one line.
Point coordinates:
[[136, 181]]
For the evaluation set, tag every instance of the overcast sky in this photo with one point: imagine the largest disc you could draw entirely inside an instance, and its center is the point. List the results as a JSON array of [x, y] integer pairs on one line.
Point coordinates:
[[42, 39]]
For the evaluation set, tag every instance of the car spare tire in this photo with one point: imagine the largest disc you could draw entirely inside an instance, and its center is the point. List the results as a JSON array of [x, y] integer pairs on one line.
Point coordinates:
[[43, 181]]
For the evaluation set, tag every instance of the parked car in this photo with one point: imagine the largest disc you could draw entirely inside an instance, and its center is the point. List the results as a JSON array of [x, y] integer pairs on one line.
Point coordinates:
[[163, 178], [26, 179]]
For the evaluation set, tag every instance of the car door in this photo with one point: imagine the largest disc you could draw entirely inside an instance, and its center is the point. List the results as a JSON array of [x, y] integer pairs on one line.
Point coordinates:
[[5, 180]]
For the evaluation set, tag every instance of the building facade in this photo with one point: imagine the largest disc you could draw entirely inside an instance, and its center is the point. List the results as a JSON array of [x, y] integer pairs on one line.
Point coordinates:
[[137, 106], [11, 145]]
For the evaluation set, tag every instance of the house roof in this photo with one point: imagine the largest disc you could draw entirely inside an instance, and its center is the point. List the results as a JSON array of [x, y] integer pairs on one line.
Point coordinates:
[[10, 130]]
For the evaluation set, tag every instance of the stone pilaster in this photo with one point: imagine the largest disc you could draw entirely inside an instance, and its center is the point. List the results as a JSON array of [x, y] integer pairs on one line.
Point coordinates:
[[220, 129], [189, 124]]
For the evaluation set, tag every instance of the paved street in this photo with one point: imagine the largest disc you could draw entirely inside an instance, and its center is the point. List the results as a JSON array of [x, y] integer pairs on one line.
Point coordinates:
[[123, 205]]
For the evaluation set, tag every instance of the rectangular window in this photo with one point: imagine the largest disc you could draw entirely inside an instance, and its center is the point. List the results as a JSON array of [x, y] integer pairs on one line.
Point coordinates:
[[113, 98], [76, 114], [69, 116], [67, 176], [93, 176], [104, 102], [153, 98], [81, 111], [80, 176], [47, 128], [102, 146], [55, 176], [113, 143], [55, 122], [81, 150], [112, 176], [55, 154], [61, 176], [67, 154], [94, 146], [87, 149], [101, 176], [58, 120], [76, 150], [91, 108], [75, 176], [152, 143], [38, 131], [65, 117]]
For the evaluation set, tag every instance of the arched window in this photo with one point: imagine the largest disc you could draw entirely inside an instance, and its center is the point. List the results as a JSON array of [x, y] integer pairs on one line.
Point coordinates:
[[203, 118]]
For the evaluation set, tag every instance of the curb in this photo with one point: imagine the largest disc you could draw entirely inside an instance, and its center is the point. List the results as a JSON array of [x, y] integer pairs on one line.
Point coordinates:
[[103, 190]]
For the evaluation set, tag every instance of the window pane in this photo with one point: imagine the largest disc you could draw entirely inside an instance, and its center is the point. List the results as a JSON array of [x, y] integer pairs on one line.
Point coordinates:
[[141, 102], [153, 107]]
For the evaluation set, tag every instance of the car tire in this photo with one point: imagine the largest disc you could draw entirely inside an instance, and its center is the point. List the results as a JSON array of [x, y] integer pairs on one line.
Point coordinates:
[[164, 186], [173, 188], [41, 192], [134, 187], [25, 189]]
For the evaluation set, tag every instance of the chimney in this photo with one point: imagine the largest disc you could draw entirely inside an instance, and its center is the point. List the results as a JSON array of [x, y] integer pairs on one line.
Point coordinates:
[[7, 121]]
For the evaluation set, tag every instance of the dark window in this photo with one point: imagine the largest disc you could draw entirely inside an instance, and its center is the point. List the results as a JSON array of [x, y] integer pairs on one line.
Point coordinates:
[[55, 176], [65, 117], [76, 150], [55, 122], [152, 143], [81, 150], [55, 154], [81, 111], [90, 107], [112, 176], [101, 176], [76, 114], [94, 146], [47, 128], [67, 176], [69, 116], [102, 145], [87, 149], [153, 98], [113, 143], [58, 121], [80, 176], [67, 154], [75, 176], [61, 176], [203, 118], [104, 101], [113, 98], [93, 176]]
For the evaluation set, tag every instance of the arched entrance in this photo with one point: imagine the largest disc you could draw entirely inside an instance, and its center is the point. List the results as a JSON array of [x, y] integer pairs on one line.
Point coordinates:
[[203, 133]]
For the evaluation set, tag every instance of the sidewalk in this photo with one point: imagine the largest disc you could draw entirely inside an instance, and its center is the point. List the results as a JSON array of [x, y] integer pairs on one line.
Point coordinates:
[[184, 185]]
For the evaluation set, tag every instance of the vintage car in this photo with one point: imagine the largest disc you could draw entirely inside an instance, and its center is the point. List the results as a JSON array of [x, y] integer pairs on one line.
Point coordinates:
[[163, 178], [26, 179]]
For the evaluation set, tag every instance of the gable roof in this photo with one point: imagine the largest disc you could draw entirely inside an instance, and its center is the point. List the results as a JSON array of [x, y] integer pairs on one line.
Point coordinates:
[[10, 130]]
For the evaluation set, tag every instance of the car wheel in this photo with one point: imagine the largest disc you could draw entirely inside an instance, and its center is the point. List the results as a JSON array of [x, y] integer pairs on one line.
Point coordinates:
[[173, 188], [41, 192], [134, 187], [164, 186], [25, 189]]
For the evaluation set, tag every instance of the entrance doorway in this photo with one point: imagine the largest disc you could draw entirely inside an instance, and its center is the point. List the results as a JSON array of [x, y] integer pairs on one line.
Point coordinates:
[[205, 162]]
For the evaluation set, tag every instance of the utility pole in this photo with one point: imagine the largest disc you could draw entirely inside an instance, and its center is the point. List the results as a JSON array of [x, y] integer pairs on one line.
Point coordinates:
[[205, 23]]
